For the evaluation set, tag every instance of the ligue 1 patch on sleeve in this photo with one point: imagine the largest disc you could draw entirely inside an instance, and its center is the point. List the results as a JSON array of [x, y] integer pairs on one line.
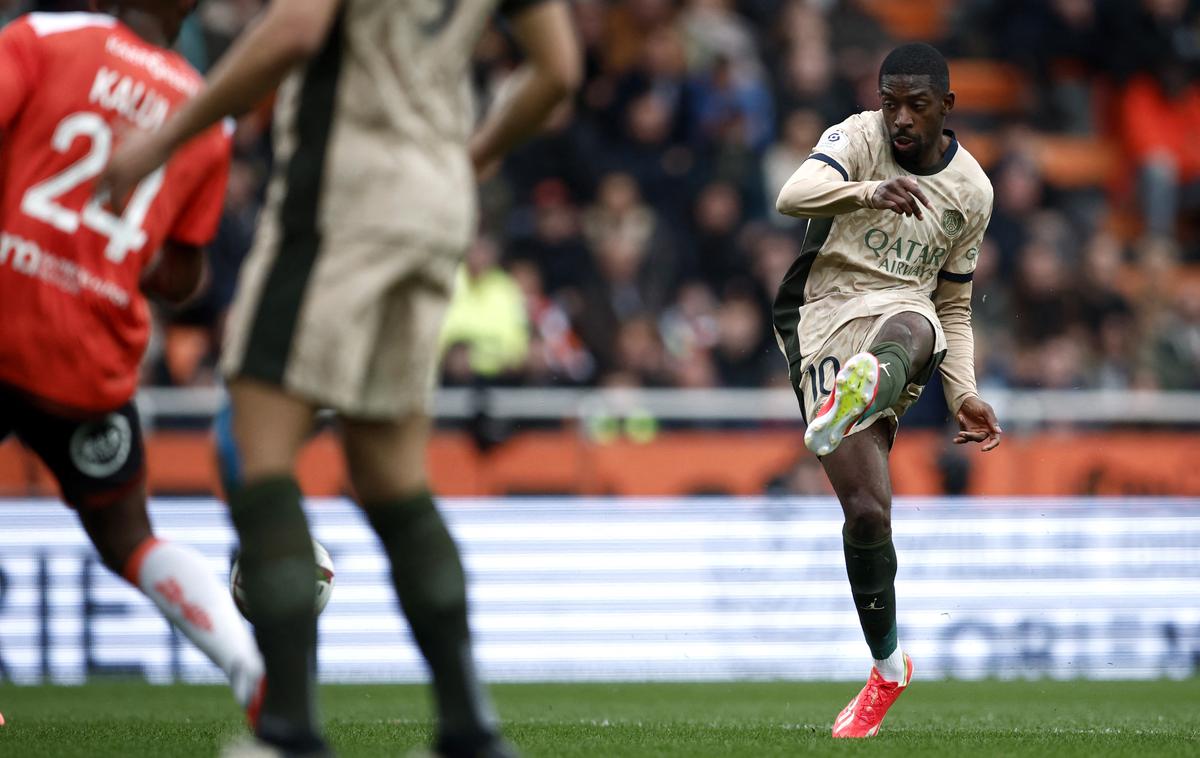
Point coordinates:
[[834, 140]]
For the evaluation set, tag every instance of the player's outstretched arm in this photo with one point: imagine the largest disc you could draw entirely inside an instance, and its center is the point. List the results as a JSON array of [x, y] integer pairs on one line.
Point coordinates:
[[952, 301], [818, 190], [551, 73], [289, 31]]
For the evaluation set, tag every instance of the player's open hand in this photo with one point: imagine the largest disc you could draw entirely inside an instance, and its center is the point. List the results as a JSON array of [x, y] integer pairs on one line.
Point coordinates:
[[977, 423], [135, 157], [900, 195]]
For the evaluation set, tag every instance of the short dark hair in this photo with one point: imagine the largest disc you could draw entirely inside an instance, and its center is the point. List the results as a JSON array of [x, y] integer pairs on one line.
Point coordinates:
[[917, 59]]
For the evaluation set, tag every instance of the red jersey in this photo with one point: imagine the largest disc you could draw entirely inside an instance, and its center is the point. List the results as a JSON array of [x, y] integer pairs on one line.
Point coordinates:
[[73, 323]]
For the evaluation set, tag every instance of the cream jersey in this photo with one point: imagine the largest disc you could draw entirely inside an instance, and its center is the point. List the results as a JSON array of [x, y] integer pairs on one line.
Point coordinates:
[[396, 158], [862, 262]]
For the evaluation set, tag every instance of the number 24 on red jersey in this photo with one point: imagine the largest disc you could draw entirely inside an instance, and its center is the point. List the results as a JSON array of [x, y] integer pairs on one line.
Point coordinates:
[[70, 84]]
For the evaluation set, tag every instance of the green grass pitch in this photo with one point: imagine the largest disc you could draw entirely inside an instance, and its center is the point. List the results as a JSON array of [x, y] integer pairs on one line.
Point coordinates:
[[1033, 718]]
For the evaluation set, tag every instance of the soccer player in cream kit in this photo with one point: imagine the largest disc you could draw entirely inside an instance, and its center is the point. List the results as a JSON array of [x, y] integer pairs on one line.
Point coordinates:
[[879, 299]]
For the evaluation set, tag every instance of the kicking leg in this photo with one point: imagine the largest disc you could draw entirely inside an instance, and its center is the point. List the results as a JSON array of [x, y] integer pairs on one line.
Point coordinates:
[[858, 471], [277, 559], [872, 381], [903, 349], [387, 467]]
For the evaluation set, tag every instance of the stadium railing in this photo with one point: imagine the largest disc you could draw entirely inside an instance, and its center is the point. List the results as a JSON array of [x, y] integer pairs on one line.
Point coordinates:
[[1027, 408]]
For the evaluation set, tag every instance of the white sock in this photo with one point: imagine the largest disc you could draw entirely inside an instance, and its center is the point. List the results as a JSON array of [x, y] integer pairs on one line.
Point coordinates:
[[892, 668], [182, 585]]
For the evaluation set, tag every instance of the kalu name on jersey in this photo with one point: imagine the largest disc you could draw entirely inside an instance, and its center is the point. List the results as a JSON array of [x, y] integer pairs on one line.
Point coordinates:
[[73, 322]]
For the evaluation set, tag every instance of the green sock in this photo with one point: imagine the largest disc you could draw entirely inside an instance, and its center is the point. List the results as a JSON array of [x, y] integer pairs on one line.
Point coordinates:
[[429, 580], [278, 570], [872, 571], [894, 371]]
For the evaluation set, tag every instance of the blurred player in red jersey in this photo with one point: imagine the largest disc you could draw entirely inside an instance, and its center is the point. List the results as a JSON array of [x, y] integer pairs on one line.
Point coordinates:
[[73, 317]]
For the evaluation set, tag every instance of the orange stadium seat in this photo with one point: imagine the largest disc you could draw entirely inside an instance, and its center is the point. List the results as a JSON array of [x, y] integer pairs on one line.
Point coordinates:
[[1073, 162], [983, 145], [988, 87], [923, 20], [1066, 162]]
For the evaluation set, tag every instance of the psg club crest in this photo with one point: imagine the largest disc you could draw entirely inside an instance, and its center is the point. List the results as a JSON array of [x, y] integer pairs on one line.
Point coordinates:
[[953, 222]]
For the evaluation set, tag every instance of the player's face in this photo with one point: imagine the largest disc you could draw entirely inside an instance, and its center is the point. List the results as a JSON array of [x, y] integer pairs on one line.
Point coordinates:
[[914, 113]]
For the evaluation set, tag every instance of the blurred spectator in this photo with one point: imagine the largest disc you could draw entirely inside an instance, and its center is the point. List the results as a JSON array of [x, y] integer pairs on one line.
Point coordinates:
[[733, 108], [801, 131], [1177, 350], [628, 24], [487, 314], [1155, 37], [772, 254], [640, 354], [1117, 343], [858, 40], [566, 152], [992, 306], [715, 34], [557, 354], [690, 325], [633, 283], [741, 341], [1018, 194], [647, 153], [1057, 42], [661, 70], [806, 73], [1057, 364], [807, 82], [620, 213], [717, 221], [695, 370], [639, 229], [1043, 301], [549, 233], [1100, 295], [1159, 54]]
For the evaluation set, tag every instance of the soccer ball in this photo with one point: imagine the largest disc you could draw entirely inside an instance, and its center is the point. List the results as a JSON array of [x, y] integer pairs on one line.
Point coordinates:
[[324, 580]]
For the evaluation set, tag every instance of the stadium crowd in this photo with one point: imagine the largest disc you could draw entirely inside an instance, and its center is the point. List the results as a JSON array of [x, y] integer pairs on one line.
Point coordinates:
[[636, 243]]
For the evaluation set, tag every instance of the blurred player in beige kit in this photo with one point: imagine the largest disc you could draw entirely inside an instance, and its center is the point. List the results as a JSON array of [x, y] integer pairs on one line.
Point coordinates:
[[880, 298], [369, 212]]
